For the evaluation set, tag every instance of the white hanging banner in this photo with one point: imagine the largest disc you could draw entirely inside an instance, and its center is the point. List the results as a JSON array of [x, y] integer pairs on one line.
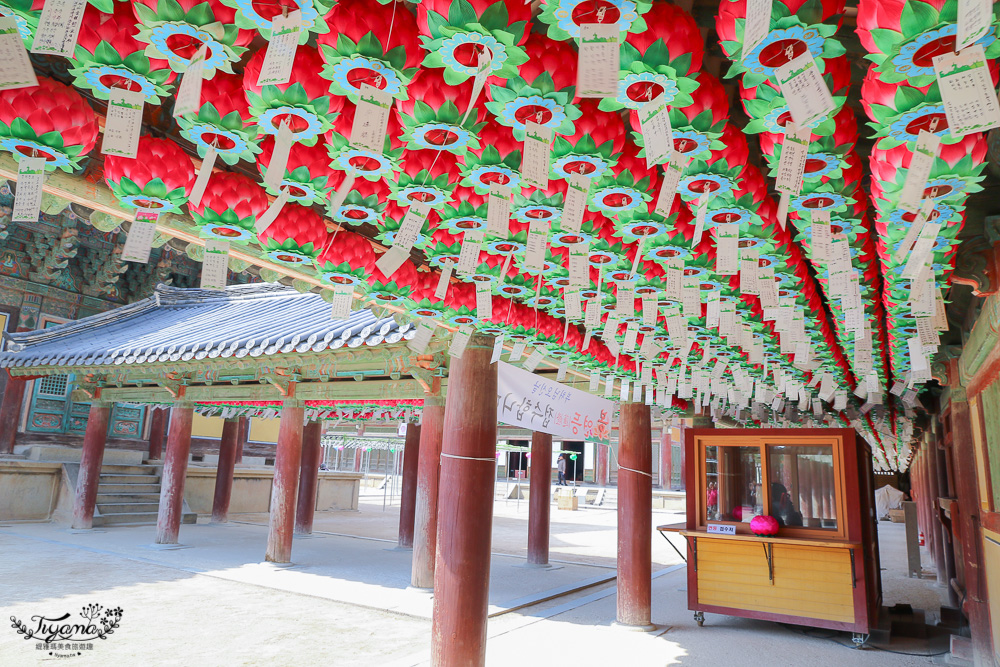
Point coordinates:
[[484, 300], [974, 18], [472, 246], [343, 297], [699, 221], [425, 331], [483, 67], [821, 236], [204, 173], [283, 141], [802, 86], [534, 255], [672, 173], [498, 210], [757, 25], [409, 228], [141, 234], [444, 281], [345, 187], [391, 260], [792, 164], [579, 267], [281, 48], [657, 135], [536, 156], [599, 58], [924, 154], [268, 217], [727, 249], [460, 341], [970, 100], [59, 27], [577, 190], [539, 404], [497, 348], [123, 123], [188, 99], [28, 196], [371, 118], [16, 70], [914, 231], [215, 265]]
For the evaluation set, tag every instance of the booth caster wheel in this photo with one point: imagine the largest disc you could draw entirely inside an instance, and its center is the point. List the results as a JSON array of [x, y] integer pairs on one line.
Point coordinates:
[[859, 640], [699, 618]]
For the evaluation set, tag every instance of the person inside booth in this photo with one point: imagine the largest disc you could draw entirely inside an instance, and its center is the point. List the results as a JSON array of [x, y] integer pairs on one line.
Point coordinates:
[[782, 507]]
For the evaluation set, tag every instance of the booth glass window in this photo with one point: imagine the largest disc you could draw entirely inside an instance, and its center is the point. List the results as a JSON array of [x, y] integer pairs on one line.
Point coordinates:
[[803, 491], [733, 483]]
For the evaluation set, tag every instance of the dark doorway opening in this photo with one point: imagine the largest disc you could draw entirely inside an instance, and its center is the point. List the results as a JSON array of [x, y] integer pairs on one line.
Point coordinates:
[[518, 461], [574, 467]]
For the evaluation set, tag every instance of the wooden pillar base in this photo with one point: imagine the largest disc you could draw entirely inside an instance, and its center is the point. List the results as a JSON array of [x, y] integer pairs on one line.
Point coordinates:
[[408, 495], [168, 521], [224, 471], [287, 463], [10, 412], [539, 498], [94, 440], [635, 515], [312, 452]]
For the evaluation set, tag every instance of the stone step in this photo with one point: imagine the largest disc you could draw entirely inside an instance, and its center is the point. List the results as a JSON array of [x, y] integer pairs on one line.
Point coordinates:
[[106, 488], [130, 470], [137, 519], [127, 508], [128, 498], [125, 517], [113, 478]]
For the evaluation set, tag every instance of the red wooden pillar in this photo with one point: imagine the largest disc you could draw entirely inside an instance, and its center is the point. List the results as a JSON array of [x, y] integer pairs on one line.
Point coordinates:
[[465, 509], [601, 465], [683, 461], [666, 457], [94, 439], [635, 515], [539, 498], [157, 431], [312, 453], [967, 491], [224, 471], [287, 462], [408, 495], [425, 514], [168, 520], [357, 459], [243, 434], [10, 412]]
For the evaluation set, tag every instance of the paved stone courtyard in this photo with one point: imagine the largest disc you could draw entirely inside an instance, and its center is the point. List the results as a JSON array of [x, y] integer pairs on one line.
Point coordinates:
[[347, 600]]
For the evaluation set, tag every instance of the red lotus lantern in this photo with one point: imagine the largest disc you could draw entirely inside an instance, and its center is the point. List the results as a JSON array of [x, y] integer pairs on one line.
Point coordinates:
[[177, 29], [368, 43], [296, 237], [307, 172], [361, 162], [303, 102], [229, 208], [223, 121], [436, 115], [541, 92], [50, 120], [160, 177], [595, 146], [346, 259], [498, 160], [109, 56]]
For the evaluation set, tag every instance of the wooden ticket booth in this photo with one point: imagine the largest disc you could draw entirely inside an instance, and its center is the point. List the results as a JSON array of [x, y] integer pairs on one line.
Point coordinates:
[[821, 568]]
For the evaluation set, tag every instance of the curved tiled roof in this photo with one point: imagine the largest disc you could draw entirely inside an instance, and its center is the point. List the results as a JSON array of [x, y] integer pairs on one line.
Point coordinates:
[[184, 324]]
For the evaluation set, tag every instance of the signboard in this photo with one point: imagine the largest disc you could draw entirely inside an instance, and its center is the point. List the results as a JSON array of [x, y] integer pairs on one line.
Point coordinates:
[[721, 529], [532, 402]]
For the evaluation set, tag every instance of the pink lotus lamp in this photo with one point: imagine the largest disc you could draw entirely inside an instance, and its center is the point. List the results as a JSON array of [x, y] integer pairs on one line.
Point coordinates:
[[764, 525]]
